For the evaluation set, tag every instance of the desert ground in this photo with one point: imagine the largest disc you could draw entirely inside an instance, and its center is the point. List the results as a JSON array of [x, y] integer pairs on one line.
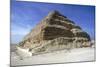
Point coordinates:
[[62, 56]]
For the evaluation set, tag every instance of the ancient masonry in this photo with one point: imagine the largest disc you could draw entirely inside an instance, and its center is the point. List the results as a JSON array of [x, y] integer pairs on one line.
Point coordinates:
[[55, 32]]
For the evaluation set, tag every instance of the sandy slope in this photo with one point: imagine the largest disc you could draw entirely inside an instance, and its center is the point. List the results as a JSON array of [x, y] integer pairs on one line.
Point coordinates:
[[74, 55]]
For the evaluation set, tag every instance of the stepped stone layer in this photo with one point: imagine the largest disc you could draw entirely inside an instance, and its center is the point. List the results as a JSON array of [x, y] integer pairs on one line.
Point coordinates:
[[59, 31]]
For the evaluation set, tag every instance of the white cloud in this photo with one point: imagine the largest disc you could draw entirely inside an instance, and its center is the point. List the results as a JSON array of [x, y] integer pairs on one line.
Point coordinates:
[[18, 32], [19, 29]]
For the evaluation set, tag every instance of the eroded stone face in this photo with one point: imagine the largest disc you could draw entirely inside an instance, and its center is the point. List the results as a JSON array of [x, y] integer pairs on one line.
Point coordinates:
[[59, 31], [54, 32]]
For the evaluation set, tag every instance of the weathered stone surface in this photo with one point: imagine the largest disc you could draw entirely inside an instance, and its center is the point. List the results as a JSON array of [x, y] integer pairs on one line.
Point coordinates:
[[55, 32]]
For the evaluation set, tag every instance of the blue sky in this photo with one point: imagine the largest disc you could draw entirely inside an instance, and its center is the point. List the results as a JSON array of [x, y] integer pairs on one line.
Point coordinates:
[[26, 15]]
